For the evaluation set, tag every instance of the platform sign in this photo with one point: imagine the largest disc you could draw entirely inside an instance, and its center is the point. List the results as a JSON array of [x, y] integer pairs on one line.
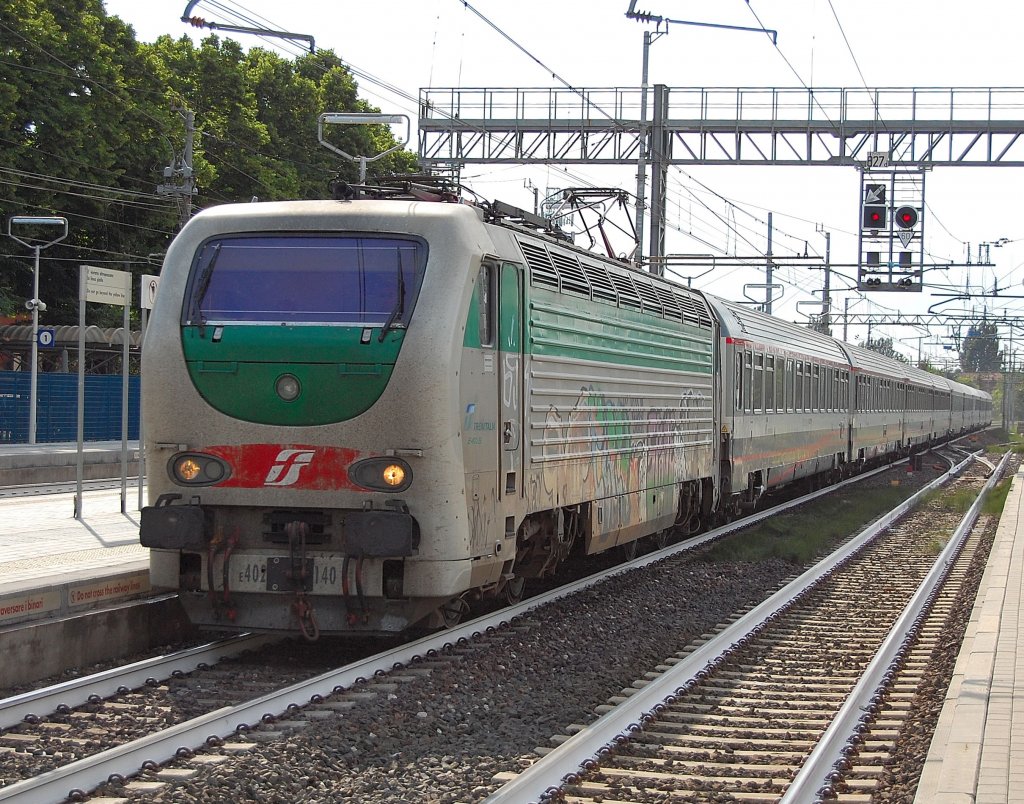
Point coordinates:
[[106, 286], [46, 337], [103, 286]]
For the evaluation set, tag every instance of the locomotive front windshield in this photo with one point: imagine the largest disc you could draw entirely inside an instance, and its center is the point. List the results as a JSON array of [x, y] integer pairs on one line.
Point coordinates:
[[305, 279]]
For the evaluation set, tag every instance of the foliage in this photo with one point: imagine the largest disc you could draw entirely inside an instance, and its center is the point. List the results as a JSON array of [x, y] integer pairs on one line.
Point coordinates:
[[980, 350], [884, 347], [996, 499], [91, 117]]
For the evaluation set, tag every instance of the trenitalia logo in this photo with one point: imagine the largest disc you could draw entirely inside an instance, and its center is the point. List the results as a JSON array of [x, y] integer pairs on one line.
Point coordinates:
[[287, 465]]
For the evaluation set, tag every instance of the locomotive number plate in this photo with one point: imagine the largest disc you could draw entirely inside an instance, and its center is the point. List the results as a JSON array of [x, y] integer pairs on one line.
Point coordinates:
[[258, 573], [281, 574]]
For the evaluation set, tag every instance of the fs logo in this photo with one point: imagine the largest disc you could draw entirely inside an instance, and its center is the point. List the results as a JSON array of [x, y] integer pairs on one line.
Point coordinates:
[[287, 465]]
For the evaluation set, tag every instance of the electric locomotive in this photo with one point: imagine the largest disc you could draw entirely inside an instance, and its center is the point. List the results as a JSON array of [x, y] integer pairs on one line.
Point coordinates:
[[362, 415]]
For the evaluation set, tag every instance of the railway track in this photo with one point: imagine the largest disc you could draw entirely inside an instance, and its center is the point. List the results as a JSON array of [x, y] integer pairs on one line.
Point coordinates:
[[123, 743], [797, 701]]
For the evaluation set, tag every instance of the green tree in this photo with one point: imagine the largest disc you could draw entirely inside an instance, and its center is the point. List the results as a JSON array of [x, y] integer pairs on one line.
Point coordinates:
[[980, 350], [73, 143], [884, 347], [90, 118], [256, 116]]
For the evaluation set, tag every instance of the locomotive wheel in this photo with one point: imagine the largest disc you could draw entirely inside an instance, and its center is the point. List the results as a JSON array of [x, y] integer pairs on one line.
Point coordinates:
[[513, 591], [630, 550], [453, 611]]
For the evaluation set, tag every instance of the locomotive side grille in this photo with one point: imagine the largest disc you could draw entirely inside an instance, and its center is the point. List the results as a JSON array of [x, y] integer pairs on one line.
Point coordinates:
[[628, 297], [694, 311], [553, 268], [541, 270], [275, 522], [649, 297], [569, 271], [600, 283], [670, 303]]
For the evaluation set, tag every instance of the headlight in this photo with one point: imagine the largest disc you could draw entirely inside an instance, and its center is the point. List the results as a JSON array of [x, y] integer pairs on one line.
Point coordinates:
[[197, 469], [288, 387], [394, 475], [381, 474]]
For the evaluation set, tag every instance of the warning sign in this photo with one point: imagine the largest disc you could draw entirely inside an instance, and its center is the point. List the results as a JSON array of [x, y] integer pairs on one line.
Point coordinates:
[[106, 286], [108, 590], [19, 607]]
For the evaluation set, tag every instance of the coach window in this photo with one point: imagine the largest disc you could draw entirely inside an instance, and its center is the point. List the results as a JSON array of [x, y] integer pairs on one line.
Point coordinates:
[[769, 382], [798, 387], [791, 385], [816, 386], [748, 379], [757, 388], [780, 384]]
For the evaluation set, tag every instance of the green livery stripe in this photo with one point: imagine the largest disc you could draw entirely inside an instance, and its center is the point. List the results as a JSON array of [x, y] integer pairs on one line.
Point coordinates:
[[634, 339], [584, 332], [339, 376]]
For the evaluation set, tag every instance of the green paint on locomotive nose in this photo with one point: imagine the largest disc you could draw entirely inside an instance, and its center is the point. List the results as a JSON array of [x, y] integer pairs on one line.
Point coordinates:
[[341, 373]]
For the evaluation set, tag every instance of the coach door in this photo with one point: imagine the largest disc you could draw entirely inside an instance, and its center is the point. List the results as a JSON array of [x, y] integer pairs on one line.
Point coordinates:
[[510, 373]]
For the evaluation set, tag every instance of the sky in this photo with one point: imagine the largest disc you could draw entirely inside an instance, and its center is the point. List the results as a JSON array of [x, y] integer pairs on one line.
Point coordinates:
[[397, 47]]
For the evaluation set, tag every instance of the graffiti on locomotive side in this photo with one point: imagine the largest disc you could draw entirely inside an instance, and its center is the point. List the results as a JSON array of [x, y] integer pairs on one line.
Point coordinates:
[[510, 382], [623, 445]]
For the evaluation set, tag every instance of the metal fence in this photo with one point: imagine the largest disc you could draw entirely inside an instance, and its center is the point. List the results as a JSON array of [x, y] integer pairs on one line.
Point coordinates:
[[57, 410]]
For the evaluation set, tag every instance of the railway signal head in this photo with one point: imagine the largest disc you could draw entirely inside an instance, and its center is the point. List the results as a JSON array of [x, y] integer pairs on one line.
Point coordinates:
[[874, 208], [873, 216], [906, 217]]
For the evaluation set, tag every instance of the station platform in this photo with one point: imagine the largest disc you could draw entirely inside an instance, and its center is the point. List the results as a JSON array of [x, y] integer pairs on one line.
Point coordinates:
[[27, 464], [977, 751], [76, 591]]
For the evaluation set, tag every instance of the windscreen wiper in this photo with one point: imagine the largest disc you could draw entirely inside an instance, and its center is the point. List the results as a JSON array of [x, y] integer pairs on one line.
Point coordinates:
[[399, 307], [201, 288]]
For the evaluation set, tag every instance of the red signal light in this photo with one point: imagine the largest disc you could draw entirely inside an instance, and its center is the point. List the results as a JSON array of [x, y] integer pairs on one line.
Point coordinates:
[[873, 216], [906, 217]]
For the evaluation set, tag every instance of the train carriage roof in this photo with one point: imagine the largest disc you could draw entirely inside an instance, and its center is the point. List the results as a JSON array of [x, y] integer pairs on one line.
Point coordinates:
[[870, 361], [744, 324]]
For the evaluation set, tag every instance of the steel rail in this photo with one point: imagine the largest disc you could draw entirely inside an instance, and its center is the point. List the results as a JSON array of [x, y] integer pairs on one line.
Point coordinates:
[[549, 773], [42, 702], [818, 771]]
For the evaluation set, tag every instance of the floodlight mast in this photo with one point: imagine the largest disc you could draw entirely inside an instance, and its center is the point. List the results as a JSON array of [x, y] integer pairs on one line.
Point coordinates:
[[34, 304], [361, 119]]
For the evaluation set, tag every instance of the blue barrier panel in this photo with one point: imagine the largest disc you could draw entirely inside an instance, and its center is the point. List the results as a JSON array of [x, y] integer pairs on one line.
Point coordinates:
[[57, 410]]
